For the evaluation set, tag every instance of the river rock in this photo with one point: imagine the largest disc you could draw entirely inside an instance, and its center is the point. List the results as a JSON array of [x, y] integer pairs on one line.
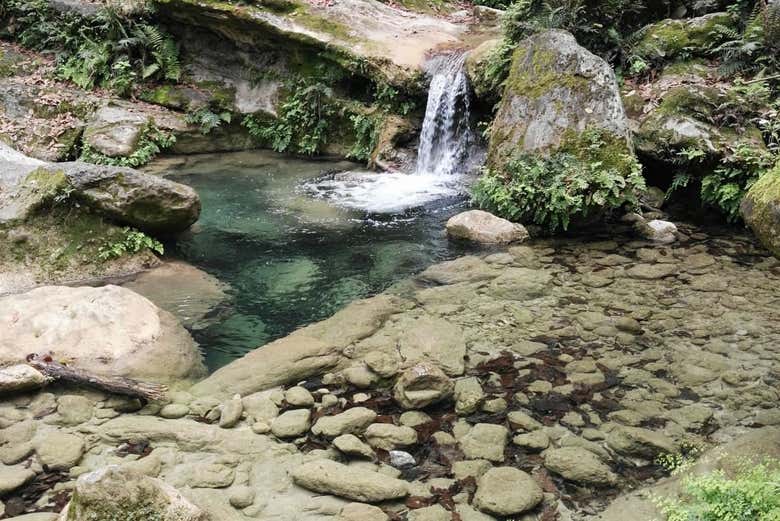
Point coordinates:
[[636, 441], [351, 421], [484, 227], [431, 513], [241, 496], [231, 413], [556, 88], [299, 397], [534, 441], [357, 484], [663, 232], [761, 210], [422, 385], [59, 450], [579, 465], [485, 441], [291, 423], [351, 445], [115, 131], [260, 407], [106, 331], [173, 411], [13, 477], [18, 378], [74, 409], [506, 491], [116, 493], [468, 396], [388, 437], [362, 512]]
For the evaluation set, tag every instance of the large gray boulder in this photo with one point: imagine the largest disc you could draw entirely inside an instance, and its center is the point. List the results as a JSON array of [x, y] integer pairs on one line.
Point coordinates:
[[118, 493], [147, 202], [127, 196], [484, 227], [555, 91], [106, 331]]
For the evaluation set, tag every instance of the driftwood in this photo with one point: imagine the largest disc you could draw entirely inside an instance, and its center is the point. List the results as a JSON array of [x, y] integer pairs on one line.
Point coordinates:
[[111, 384]]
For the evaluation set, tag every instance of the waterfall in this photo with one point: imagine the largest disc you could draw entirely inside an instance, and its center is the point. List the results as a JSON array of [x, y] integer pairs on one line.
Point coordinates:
[[443, 158], [446, 135]]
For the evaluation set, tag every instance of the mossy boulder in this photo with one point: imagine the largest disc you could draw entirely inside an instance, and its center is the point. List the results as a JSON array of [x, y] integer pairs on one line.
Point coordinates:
[[118, 494], [670, 39], [556, 90], [761, 210]]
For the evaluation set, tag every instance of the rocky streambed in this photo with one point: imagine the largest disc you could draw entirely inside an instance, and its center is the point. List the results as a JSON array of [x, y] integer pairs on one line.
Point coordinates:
[[539, 381]]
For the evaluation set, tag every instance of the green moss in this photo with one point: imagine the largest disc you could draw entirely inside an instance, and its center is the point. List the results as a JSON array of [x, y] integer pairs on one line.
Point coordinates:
[[767, 188], [541, 74], [674, 38]]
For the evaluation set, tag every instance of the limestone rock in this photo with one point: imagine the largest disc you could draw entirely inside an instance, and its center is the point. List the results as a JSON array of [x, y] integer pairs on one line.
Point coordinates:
[[124, 494], [484, 227], [422, 385], [291, 423], [74, 409], [477, 63], [150, 203], [330, 477], [231, 413], [485, 441], [362, 512], [761, 210], [115, 131], [468, 396], [107, 331], [21, 377], [555, 87], [506, 491], [351, 421], [535, 441], [351, 445], [663, 232], [260, 407], [173, 411], [579, 465], [299, 397], [13, 477], [635, 441], [431, 513], [59, 450], [387, 436], [241, 496]]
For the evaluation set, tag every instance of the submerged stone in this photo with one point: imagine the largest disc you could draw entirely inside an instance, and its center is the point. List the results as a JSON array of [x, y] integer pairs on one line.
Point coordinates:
[[506, 491]]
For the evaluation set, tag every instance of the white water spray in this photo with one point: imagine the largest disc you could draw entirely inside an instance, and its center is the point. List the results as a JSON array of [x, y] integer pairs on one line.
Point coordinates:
[[443, 153]]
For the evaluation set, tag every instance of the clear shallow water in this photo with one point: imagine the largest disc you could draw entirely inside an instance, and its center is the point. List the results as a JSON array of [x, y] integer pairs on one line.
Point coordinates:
[[293, 256]]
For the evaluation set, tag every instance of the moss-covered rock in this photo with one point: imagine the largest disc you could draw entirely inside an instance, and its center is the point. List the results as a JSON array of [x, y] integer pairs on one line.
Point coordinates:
[[671, 39], [555, 89], [477, 68], [118, 494], [761, 210]]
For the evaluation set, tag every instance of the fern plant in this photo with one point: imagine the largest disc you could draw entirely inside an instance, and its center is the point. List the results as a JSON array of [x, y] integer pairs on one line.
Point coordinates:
[[128, 241], [152, 142]]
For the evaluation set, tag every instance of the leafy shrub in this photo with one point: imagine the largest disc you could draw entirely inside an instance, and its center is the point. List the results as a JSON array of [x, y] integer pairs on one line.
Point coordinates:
[[152, 142], [752, 495], [207, 120], [578, 181], [106, 50], [303, 123], [366, 130], [128, 242]]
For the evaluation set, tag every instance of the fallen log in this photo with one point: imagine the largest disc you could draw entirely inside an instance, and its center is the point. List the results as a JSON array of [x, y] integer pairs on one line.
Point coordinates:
[[56, 371]]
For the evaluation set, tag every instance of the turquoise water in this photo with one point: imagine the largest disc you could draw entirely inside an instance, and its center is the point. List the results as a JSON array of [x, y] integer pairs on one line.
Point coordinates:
[[290, 256]]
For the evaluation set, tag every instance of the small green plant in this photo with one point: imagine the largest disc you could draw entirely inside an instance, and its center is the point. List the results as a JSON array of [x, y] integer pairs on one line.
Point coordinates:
[[208, 120], [577, 181], [678, 462], [128, 242], [304, 120], [151, 143], [366, 132], [106, 50], [752, 495]]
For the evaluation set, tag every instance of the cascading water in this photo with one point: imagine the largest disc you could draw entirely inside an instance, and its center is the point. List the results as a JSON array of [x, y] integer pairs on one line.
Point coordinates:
[[443, 153], [446, 135]]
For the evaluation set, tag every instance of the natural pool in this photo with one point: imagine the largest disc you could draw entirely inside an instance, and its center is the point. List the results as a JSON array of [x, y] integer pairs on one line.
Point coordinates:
[[272, 229]]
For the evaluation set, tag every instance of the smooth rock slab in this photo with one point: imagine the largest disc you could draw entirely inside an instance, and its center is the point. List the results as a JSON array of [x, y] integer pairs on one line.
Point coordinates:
[[506, 491], [357, 484], [22, 377], [484, 227]]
